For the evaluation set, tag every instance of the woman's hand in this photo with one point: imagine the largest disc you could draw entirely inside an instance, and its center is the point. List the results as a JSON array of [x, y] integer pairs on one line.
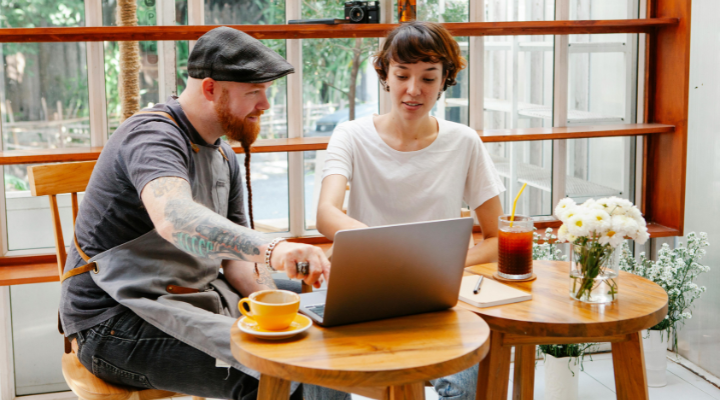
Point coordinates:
[[287, 255]]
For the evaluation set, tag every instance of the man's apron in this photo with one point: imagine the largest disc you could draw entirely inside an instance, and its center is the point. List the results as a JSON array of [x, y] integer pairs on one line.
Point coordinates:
[[143, 273]]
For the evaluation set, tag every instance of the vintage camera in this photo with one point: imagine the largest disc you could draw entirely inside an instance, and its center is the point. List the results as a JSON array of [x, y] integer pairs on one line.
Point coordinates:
[[362, 12]]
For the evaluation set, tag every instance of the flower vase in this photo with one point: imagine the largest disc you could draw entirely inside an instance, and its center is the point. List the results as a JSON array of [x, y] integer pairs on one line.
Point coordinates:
[[562, 376], [655, 344], [593, 273]]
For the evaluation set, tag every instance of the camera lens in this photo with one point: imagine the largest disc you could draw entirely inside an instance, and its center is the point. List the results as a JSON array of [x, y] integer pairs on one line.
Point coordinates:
[[357, 14]]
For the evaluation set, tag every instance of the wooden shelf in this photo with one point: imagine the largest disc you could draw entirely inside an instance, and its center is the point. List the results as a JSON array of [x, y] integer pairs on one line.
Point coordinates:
[[575, 132], [315, 31], [43, 268], [320, 143]]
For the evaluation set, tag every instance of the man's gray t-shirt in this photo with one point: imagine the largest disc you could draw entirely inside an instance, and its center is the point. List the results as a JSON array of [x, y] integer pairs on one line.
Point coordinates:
[[143, 148]]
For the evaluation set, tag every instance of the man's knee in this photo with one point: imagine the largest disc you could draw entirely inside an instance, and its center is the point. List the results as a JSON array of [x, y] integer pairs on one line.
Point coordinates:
[[460, 386]]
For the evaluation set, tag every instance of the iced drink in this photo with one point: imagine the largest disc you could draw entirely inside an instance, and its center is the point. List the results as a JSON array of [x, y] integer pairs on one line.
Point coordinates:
[[515, 247]]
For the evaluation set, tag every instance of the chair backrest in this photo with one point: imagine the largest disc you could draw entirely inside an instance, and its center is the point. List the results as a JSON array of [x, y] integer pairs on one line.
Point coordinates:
[[54, 179]]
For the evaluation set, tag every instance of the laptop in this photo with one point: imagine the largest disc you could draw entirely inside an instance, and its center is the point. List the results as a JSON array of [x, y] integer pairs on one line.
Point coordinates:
[[391, 271]]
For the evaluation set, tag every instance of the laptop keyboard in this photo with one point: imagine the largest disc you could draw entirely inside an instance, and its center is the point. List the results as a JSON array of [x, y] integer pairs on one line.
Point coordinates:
[[318, 309]]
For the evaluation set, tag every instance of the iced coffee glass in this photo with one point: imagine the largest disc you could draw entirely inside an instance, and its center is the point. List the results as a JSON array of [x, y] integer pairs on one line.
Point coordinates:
[[515, 247]]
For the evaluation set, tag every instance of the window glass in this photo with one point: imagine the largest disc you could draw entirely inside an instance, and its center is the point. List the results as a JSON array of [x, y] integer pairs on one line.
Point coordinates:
[[44, 105], [602, 86], [518, 76], [339, 84], [269, 171]]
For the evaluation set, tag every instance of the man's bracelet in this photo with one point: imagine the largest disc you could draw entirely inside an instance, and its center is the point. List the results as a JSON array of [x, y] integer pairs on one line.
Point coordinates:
[[269, 251]]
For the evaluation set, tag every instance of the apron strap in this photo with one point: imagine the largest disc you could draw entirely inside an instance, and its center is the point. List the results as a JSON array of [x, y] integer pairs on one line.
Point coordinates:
[[194, 146], [79, 270], [162, 113]]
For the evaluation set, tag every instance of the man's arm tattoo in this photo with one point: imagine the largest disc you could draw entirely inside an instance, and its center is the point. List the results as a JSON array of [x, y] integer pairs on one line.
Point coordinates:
[[264, 278], [200, 231]]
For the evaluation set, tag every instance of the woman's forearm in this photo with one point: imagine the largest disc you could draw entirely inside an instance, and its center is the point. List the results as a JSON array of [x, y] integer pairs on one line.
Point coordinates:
[[330, 220], [484, 252]]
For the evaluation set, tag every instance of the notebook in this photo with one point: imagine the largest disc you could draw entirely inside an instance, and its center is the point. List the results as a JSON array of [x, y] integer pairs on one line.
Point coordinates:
[[492, 293]]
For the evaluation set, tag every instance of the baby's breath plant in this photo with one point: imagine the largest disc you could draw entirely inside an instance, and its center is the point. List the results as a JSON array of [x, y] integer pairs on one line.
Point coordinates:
[[573, 352], [548, 249], [675, 271]]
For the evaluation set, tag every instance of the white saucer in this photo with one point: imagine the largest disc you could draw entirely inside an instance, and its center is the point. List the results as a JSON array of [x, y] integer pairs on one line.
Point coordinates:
[[300, 324]]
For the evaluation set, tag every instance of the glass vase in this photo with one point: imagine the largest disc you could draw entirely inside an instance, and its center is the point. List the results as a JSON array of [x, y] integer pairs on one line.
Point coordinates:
[[593, 273]]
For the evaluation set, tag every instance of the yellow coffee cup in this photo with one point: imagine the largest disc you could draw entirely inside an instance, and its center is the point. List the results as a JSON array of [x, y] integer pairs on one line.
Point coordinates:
[[273, 310]]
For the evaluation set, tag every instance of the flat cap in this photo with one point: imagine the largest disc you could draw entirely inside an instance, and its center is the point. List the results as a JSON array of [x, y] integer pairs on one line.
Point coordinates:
[[227, 54]]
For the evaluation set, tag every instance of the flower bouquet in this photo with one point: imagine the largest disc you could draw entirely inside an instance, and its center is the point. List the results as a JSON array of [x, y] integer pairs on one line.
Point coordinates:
[[594, 229]]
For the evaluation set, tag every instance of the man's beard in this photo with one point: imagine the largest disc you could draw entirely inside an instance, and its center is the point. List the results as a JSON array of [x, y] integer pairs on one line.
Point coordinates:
[[238, 129]]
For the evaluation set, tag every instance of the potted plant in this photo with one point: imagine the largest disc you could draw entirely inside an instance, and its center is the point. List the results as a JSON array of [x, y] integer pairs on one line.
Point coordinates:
[[563, 363], [675, 271], [594, 229]]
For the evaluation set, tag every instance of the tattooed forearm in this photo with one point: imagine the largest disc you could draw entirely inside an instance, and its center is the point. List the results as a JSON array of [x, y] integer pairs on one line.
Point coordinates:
[[198, 230], [264, 278]]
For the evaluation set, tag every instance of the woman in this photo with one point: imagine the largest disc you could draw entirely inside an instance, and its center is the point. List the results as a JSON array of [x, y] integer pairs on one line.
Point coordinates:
[[407, 166]]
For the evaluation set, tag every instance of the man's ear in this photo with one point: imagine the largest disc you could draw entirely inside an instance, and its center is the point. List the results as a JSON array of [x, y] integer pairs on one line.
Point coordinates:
[[209, 86]]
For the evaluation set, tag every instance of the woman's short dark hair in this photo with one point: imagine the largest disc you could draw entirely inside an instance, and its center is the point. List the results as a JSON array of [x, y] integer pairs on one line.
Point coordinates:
[[420, 41]]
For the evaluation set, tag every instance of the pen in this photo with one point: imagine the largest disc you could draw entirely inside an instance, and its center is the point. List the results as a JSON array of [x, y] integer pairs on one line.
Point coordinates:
[[477, 285]]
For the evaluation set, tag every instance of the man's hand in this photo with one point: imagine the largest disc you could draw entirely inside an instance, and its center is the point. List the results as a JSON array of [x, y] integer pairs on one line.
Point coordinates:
[[286, 255]]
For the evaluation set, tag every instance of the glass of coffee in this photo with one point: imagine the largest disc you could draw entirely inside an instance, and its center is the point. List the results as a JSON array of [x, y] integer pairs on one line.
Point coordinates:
[[515, 247]]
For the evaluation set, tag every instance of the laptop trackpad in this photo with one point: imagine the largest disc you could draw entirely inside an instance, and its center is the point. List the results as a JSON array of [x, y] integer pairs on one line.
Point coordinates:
[[311, 299]]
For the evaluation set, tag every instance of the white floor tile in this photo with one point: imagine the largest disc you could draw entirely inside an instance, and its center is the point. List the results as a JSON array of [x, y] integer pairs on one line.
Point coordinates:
[[694, 380]]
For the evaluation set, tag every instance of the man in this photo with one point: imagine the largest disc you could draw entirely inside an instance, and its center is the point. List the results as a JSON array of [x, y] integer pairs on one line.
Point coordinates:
[[163, 211]]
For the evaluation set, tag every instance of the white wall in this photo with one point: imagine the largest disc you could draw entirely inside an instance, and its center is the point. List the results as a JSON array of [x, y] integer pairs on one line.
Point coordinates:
[[700, 338]]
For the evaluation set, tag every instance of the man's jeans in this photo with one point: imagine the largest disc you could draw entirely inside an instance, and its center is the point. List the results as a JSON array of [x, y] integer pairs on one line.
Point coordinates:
[[460, 386], [126, 350]]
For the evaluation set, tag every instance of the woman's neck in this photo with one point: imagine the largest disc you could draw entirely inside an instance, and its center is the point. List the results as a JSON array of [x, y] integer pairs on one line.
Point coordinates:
[[404, 134]]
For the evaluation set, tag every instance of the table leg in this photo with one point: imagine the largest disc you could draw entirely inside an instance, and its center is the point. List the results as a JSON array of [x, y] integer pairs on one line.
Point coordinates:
[[272, 388], [524, 379], [411, 391], [629, 366], [494, 371]]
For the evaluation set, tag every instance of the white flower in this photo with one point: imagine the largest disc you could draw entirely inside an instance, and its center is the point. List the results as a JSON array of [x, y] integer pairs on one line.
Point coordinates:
[[564, 205], [564, 235], [611, 237], [634, 213], [578, 225], [607, 204], [599, 221], [642, 235], [624, 226], [569, 213]]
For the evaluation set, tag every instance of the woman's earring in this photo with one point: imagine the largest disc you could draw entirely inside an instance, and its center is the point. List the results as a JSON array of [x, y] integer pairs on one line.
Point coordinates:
[[439, 95], [385, 86]]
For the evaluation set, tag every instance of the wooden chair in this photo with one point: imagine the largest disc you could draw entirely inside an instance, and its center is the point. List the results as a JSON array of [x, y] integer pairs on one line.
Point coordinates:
[[52, 180]]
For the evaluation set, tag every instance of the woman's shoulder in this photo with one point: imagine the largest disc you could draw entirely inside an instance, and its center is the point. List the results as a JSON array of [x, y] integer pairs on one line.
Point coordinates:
[[358, 128], [458, 132]]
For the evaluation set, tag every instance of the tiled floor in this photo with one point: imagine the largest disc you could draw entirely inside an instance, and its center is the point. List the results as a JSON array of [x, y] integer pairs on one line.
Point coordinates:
[[597, 383]]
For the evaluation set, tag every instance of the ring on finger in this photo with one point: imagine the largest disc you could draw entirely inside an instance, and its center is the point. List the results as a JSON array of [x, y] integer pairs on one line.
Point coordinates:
[[302, 268]]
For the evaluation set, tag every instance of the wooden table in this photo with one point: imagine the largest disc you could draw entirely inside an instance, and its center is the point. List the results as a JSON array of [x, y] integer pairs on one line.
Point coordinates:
[[552, 317], [386, 359]]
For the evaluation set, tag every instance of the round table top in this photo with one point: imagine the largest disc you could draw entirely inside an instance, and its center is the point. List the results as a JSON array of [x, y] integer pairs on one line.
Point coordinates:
[[641, 304], [387, 352]]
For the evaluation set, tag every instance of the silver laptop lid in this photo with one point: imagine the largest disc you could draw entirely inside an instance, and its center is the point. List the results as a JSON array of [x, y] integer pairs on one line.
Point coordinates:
[[396, 270]]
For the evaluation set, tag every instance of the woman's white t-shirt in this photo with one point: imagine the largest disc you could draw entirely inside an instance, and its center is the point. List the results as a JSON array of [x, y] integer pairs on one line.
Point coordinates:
[[393, 187]]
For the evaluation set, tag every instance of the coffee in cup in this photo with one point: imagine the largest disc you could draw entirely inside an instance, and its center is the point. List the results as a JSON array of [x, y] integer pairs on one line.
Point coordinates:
[[273, 310]]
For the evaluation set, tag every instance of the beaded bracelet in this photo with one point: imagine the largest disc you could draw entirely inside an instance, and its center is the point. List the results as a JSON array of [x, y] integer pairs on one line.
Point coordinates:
[[268, 252]]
